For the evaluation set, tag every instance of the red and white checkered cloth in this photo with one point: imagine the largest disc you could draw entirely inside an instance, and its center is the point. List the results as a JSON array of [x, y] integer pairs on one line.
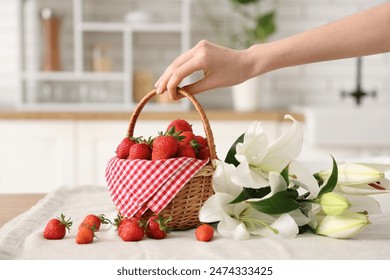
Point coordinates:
[[138, 185]]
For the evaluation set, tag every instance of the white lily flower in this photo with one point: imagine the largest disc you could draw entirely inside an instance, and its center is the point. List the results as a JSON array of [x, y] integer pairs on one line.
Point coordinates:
[[257, 158], [240, 220], [345, 225]]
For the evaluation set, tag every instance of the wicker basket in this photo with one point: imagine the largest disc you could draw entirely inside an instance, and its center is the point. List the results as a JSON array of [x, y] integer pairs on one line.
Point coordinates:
[[185, 206]]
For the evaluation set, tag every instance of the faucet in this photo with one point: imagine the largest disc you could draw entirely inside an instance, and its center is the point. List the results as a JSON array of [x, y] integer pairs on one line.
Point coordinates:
[[358, 93]]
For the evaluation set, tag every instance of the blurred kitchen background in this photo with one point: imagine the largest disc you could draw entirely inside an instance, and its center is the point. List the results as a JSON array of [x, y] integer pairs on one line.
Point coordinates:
[[63, 61]]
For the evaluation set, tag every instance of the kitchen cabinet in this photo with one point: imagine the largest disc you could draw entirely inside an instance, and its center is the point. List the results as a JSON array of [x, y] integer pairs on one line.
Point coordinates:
[[36, 156], [107, 51]]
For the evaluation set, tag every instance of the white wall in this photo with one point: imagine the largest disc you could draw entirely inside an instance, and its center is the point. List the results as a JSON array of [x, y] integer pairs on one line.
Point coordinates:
[[310, 84], [8, 52]]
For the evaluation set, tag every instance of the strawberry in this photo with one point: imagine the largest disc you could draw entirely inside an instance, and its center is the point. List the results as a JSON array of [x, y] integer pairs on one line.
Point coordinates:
[[131, 230], [56, 228], [156, 227], [179, 126], [203, 153], [188, 136], [204, 232], [201, 141], [122, 151], [121, 221], [164, 147], [94, 221], [186, 151], [85, 234], [140, 151]]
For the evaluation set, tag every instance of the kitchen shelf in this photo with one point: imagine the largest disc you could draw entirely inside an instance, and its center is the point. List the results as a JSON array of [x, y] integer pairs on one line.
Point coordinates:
[[81, 33], [127, 27], [73, 76]]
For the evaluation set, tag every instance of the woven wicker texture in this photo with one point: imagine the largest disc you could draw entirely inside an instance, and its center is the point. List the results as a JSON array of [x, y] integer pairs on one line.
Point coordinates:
[[184, 208]]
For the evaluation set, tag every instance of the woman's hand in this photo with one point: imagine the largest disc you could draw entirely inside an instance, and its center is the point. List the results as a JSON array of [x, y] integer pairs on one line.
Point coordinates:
[[221, 67]]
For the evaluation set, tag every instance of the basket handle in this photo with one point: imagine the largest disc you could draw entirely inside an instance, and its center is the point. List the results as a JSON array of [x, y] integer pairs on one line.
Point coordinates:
[[198, 107]]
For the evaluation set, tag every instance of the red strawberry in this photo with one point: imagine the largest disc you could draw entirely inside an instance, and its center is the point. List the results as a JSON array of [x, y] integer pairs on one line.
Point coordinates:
[[179, 126], [164, 147], [201, 141], [94, 221], [131, 230], [140, 151], [157, 227], [56, 228], [188, 136], [121, 221], [186, 151], [204, 232], [122, 151], [85, 235], [203, 153]]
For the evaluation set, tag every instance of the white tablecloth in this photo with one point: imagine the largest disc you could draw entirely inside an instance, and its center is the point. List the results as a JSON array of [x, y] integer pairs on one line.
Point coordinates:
[[22, 237]]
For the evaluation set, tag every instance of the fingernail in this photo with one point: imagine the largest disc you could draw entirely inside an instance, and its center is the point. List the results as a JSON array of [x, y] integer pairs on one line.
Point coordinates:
[[158, 91]]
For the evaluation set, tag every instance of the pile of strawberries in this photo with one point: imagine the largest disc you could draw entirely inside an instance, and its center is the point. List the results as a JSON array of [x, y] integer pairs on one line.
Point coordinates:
[[134, 229], [129, 229], [178, 140]]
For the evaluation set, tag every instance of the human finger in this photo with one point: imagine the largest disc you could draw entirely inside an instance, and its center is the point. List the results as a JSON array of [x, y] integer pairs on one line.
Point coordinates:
[[180, 73]]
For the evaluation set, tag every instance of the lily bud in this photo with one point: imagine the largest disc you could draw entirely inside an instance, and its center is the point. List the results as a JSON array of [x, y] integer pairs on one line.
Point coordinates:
[[345, 225], [354, 173], [334, 204]]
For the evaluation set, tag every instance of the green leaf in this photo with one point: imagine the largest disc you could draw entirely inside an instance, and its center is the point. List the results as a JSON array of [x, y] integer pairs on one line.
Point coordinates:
[[279, 203], [285, 176], [231, 155], [265, 26], [251, 193], [331, 182]]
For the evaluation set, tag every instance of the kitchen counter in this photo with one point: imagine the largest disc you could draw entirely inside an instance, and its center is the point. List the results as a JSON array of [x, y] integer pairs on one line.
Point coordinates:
[[22, 239], [12, 205], [276, 115]]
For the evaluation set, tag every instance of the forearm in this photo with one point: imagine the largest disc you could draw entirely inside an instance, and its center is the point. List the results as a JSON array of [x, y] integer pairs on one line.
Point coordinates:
[[361, 34]]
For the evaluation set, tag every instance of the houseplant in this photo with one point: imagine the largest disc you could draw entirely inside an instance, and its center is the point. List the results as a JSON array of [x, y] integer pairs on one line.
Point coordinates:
[[250, 22]]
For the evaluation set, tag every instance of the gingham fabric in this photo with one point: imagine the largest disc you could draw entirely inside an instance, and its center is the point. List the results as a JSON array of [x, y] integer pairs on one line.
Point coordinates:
[[138, 185]]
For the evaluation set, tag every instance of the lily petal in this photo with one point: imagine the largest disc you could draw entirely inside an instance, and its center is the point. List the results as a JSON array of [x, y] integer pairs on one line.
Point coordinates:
[[285, 149], [213, 209], [254, 145], [304, 178], [248, 177], [299, 218], [361, 203], [231, 228], [283, 227], [222, 181], [276, 183], [381, 186]]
